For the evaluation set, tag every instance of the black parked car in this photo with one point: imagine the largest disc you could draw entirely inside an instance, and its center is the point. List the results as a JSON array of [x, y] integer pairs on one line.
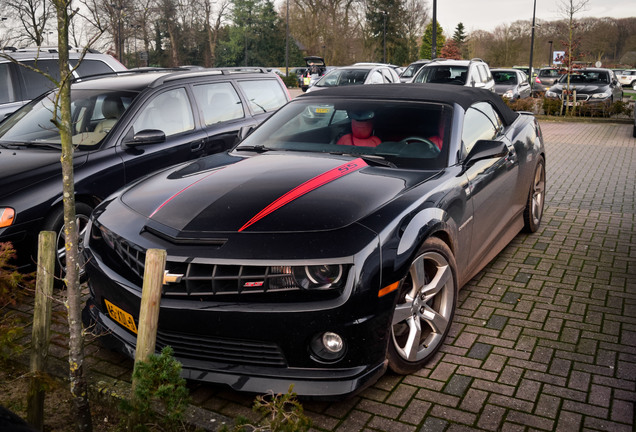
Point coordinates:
[[124, 127], [596, 89], [295, 259]]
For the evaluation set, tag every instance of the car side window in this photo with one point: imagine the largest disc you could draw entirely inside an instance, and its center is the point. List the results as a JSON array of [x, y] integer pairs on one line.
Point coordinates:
[[219, 102], [474, 76], [263, 95], [376, 78], [482, 73], [7, 92], [388, 78], [169, 112], [34, 82], [477, 126]]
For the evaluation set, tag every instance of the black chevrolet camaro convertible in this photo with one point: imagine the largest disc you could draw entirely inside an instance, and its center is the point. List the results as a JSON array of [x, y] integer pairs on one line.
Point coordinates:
[[329, 245]]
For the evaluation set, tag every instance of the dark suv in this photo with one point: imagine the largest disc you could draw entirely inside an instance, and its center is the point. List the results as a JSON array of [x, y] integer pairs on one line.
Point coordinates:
[[124, 127], [18, 85]]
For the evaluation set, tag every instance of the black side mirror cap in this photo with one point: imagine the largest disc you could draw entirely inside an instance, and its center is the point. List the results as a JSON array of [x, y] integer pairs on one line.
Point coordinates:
[[146, 136], [486, 149]]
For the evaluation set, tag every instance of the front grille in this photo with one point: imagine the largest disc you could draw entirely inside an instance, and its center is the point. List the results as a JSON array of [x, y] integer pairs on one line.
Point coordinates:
[[215, 279], [579, 97], [222, 350], [214, 282]]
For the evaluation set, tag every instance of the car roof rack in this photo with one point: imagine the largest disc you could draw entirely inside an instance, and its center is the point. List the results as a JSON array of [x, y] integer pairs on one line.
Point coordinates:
[[177, 73]]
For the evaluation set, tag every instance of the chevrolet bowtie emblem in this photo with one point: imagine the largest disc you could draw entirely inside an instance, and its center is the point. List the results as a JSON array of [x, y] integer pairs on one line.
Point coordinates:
[[171, 278]]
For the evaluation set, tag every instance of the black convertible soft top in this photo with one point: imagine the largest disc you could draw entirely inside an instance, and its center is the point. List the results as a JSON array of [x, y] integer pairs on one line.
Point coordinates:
[[444, 93]]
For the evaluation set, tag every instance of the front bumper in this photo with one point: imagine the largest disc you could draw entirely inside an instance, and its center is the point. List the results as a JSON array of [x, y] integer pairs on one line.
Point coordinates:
[[249, 347]]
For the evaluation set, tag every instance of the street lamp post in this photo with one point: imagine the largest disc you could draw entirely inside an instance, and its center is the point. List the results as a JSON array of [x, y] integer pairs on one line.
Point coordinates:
[[287, 41], [434, 41], [534, 11], [384, 13], [120, 42]]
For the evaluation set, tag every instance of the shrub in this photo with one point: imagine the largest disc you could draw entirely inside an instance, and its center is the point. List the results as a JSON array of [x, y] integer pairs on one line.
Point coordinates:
[[551, 106], [526, 104], [159, 387], [12, 289], [281, 413], [291, 80]]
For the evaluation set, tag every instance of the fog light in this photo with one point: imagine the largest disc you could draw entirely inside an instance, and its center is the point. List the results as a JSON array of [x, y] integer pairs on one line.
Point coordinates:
[[328, 347], [332, 342]]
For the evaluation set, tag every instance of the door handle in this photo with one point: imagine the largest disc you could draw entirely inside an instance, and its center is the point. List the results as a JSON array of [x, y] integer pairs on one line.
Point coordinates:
[[196, 146]]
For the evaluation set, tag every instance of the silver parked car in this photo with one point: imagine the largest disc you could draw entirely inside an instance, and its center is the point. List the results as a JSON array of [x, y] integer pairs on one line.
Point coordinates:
[[469, 73], [357, 75], [18, 85], [511, 84]]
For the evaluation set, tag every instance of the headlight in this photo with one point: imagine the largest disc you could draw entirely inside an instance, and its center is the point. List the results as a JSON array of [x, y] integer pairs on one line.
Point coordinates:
[[551, 94], [603, 95], [318, 276], [508, 94], [7, 214]]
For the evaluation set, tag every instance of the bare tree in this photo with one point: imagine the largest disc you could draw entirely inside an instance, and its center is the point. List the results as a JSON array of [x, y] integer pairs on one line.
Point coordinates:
[[212, 31], [33, 16], [415, 20], [62, 120], [569, 8]]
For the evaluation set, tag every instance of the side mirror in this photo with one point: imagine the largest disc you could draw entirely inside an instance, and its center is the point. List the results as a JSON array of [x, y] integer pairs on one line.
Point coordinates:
[[146, 136], [486, 149], [245, 131]]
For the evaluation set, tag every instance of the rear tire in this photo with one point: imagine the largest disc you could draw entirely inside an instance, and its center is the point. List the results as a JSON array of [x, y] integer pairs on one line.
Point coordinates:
[[533, 213], [55, 223], [425, 308]]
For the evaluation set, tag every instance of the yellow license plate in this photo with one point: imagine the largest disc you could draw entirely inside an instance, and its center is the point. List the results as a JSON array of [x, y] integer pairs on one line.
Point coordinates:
[[121, 316]]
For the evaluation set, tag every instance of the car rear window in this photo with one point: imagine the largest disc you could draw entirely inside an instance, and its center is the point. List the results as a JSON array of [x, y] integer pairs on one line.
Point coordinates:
[[263, 95], [90, 67]]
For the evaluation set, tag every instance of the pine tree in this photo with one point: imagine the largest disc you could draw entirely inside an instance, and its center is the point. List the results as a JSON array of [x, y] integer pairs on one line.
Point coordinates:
[[427, 41]]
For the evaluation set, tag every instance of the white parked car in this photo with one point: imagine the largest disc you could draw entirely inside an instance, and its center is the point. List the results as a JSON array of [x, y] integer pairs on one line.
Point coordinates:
[[627, 78], [357, 75]]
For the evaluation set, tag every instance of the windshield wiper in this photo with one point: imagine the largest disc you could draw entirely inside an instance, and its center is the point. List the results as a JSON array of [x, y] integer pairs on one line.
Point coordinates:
[[256, 148], [380, 160], [42, 145]]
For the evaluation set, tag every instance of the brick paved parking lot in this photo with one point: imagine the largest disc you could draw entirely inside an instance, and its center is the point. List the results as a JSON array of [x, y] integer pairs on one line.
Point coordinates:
[[544, 338]]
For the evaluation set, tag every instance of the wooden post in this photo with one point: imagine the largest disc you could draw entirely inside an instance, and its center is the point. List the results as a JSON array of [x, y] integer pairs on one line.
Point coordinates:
[[149, 311], [41, 332]]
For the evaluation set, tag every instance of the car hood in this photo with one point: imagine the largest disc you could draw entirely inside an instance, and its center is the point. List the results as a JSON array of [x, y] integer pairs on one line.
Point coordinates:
[[273, 192], [24, 167], [581, 88]]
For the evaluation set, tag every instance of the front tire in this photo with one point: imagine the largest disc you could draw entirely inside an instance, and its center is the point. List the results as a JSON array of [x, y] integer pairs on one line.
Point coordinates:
[[425, 308], [533, 213], [55, 223]]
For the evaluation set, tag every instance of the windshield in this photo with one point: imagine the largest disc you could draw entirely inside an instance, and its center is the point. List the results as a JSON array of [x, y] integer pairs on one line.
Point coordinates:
[[399, 134], [504, 77], [93, 114], [442, 75], [343, 77], [586, 77], [412, 70]]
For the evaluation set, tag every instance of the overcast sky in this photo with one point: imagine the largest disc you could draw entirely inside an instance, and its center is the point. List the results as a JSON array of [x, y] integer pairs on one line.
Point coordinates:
[[488, 14]]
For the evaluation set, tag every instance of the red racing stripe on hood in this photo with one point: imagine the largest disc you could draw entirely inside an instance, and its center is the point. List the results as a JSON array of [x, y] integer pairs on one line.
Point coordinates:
[[183, 190], [307, 187]]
